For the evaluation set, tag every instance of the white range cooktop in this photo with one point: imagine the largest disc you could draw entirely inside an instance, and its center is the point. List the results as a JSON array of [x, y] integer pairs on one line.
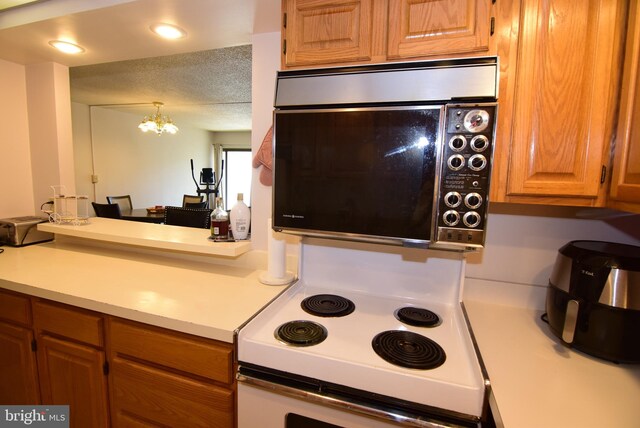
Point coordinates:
[[378, 283]]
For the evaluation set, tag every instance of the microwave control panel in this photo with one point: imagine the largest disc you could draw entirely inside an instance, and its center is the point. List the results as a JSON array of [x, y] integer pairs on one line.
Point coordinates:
[[466, 157]]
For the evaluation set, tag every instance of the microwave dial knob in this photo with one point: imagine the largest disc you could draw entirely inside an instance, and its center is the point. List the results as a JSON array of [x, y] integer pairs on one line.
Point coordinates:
[[473, 200], [476, 120], [451, 218], [471, 219], [457, 143], [479, 143], [452, 199], [477, 162], [456, 162]]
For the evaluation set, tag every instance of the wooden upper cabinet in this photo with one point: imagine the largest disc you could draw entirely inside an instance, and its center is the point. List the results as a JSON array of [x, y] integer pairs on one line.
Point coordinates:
[[331, 32], [326, 31], [558, 121], [437, 27], [625, 184]]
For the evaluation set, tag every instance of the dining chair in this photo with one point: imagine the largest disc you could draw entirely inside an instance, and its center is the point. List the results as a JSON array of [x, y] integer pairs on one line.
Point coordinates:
[[107, 210], [123, 201], [192, 199], [189, 217], [195, 205]]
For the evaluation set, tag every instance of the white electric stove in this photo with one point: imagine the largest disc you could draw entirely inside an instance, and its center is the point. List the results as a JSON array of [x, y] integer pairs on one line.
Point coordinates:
[[368, 331]]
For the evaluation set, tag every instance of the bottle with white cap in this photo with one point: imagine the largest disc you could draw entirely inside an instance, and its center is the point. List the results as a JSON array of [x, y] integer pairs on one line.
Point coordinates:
[[240, 219]]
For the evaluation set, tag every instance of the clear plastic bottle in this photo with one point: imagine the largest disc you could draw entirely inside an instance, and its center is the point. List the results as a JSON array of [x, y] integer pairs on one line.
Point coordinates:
[[240, 219], [219, 222]]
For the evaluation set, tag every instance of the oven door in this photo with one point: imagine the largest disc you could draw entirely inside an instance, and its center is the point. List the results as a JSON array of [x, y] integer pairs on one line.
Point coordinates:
[[358, 173]]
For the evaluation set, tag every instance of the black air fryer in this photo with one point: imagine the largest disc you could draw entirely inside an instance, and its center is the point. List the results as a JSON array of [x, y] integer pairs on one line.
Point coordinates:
[[593, 299]]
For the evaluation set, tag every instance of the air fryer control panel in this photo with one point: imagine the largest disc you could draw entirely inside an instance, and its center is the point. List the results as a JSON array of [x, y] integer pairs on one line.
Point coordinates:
[[466, 159]]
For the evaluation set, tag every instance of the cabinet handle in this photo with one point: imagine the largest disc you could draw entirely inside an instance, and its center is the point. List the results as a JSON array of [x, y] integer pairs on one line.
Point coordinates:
[[284, 47], [603, 174], [34, 345], [284, 21], [493, 26], [105, 368]]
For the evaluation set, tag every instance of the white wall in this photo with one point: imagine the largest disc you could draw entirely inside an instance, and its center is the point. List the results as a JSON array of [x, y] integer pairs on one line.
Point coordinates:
[[154, 170], [50, 134], [265, 64], [16, 183], [523, 241]]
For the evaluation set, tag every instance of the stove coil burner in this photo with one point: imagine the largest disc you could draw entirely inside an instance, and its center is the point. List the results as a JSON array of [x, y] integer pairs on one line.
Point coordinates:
[[301, 333], [408, 349], [327, 305], [417, 317]]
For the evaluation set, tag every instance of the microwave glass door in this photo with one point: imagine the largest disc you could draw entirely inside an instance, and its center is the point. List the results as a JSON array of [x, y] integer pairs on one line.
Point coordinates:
[[368, 172]]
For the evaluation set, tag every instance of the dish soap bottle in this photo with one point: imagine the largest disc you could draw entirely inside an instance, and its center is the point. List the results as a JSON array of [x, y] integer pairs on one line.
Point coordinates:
[[219, 222], [240, 219]]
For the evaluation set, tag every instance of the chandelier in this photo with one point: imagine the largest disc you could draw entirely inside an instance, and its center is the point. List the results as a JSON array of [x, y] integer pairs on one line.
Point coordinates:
[[157, 122]]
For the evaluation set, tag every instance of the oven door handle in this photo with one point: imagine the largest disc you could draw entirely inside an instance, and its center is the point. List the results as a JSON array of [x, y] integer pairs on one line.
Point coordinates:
[[339, 403]]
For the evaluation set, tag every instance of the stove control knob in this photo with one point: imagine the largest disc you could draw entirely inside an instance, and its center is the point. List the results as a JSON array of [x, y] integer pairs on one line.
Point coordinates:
[[477, 162], [479, 143], [456, 162], [471, 219], [451, 218], [452, 199], [457, 143], [473, 200]]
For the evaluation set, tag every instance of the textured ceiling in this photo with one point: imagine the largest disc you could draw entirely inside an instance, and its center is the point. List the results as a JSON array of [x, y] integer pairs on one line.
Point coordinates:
[[208, 89]]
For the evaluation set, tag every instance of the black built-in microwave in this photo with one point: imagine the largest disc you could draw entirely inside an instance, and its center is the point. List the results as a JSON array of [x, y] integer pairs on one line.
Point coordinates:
[[397, 154]]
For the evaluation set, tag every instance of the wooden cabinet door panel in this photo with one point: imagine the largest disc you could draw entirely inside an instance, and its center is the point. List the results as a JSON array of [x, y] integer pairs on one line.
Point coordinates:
[[18, 370], [145, 395], [73, 374], [327, 31], [437, 27], [564, 86], [625, 185]]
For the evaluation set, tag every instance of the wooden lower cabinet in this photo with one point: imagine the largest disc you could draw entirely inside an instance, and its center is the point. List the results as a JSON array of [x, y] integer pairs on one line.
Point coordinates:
[[18, 370], [72, 374], [110, 371], [72, 361], [164, 378], [144, 395]]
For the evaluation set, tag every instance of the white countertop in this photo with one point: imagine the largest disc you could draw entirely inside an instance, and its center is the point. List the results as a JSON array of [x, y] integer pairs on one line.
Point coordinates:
[[192, 296], [537, 381], [177, 238]]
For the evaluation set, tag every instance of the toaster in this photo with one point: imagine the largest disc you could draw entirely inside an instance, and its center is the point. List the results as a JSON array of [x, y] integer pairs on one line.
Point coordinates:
[[21, 231]]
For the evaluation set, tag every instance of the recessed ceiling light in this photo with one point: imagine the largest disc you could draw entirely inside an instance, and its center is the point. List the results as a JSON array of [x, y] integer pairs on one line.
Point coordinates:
[[66, 47], [168, 31]]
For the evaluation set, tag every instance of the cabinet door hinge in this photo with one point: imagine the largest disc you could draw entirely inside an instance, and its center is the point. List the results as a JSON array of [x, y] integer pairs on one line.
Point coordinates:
[[603, 174], [34, 345], [493, 26], [284, 47], [284, 20], [105, 368]]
